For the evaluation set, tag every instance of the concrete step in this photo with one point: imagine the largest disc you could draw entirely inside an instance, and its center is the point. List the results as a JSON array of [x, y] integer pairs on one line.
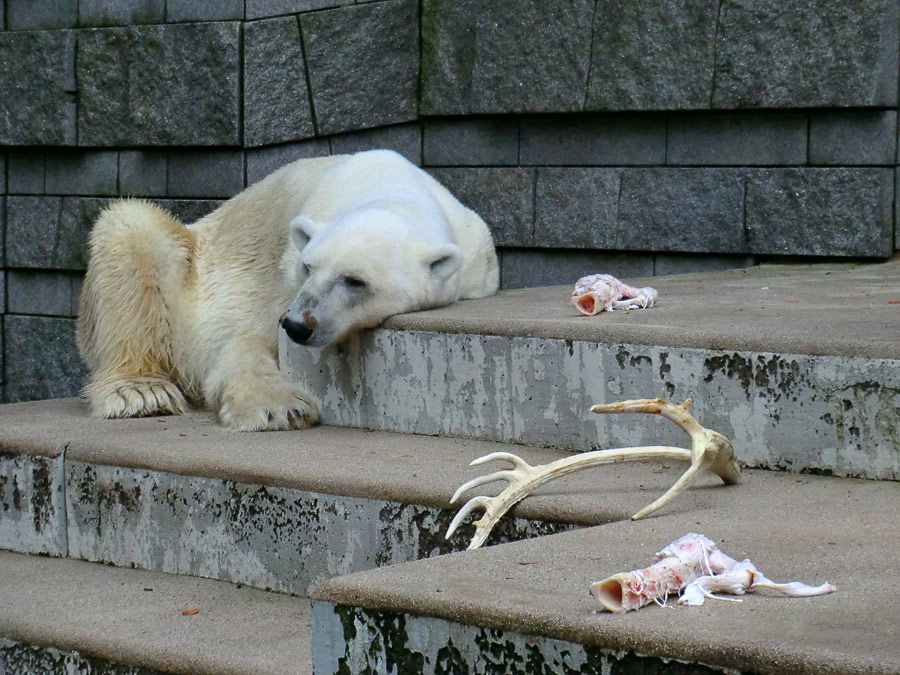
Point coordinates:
[[68, 616], [798, 365], [275, 511], [524, 607]]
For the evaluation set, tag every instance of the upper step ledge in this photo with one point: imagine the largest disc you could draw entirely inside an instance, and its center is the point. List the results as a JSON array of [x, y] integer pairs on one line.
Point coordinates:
[[843, 309]]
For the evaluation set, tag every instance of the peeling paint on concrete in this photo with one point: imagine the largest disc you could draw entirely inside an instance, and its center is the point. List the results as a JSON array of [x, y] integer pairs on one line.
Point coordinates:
[[268, 537], [353, 640], [16, 657], [32, 504], [829, 414]]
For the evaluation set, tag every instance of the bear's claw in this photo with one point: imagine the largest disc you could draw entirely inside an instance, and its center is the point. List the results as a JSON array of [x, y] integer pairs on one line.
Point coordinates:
[[299, 412], [135, 397]]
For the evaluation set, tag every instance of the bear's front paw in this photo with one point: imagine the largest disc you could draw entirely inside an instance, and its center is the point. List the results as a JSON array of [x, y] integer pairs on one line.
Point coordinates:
[[135, 397], [269, 411]]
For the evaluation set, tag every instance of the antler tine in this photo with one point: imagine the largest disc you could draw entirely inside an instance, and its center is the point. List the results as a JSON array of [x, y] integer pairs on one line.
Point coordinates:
[[515, 460], [480, 480], [680, 486], [466, 509]]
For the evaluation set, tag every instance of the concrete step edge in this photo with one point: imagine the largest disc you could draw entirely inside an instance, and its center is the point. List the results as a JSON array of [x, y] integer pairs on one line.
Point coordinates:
[[65, 615]]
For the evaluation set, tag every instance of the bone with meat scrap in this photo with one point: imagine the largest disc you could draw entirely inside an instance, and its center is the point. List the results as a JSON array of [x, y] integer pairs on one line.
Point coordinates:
[[709, 451]]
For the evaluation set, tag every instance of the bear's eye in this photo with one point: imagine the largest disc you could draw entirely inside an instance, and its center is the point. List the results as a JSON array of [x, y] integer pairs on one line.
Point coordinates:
[[306, 269], [354, 282]]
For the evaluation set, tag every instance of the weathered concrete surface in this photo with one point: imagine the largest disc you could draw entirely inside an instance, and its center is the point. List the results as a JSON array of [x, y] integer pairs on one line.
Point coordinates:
[[135, 619], [800, 366], [841, 309], [267, 537], [810, 529], [351, 639], [16, 657], [362, 464], [32, 503]]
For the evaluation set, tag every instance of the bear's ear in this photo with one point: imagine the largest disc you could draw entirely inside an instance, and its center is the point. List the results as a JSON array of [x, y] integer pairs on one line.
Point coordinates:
[[445, 262], [303, 228]]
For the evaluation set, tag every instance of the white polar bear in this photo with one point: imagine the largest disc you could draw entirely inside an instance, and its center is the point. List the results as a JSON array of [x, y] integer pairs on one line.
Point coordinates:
[[323, 246]]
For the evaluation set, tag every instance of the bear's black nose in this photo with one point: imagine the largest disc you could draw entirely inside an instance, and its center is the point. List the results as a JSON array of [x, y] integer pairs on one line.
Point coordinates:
[[298, 332]]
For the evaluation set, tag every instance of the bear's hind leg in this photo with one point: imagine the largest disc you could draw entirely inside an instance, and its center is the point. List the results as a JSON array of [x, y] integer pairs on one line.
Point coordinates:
[[139, 264], [134, 397]]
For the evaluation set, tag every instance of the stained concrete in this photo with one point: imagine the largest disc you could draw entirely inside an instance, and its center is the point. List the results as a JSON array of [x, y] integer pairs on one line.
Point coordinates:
[[796, 528], [797, 364], [136, 618]]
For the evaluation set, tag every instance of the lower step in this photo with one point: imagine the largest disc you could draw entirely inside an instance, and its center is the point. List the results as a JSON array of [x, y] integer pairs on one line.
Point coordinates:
[[64, 616], [279, 511], [524, 607]]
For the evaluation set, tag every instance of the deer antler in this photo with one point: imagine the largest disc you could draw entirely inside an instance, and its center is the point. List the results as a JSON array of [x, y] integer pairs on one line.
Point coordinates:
[[709, 450]]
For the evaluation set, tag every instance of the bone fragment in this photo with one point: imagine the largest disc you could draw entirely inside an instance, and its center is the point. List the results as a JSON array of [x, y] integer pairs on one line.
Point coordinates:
[[694, 567], [603, 292]]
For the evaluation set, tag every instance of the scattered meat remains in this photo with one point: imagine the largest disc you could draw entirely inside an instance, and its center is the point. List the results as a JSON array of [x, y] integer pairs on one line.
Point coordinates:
[[603, 292]]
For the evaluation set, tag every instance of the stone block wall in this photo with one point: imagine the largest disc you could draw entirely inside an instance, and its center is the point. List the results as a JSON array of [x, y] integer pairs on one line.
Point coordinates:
[[636, 138]]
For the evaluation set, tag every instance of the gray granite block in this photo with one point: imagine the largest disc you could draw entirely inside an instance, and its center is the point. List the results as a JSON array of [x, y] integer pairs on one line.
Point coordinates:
[[41, 358], [837, 212], [31, 223], [40, 293], [49, 232], [363, 64], [474, 141], [2, 174], [576, 207], [212, 173], [187, 92], [684, 210], [806, 53], [666, 264], [41, 14], [503, 197], [848, 137], [32, 501], [593, 140], [189, 210], [276, 96], [26, 173], [263, 161], [204, 10], [143, 173], [403, 138], [736, 139], [652, 55], [82, 173], [2, 288], [96, 13], [77, 285], [36, 78], [258, 9], [526, 268], [478, 56]]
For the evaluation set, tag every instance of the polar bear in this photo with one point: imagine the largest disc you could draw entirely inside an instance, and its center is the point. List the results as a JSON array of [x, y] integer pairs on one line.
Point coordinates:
[[324, 247]]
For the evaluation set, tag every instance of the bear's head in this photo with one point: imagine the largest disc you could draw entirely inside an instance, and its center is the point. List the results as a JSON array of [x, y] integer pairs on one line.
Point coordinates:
[[361, 269]]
